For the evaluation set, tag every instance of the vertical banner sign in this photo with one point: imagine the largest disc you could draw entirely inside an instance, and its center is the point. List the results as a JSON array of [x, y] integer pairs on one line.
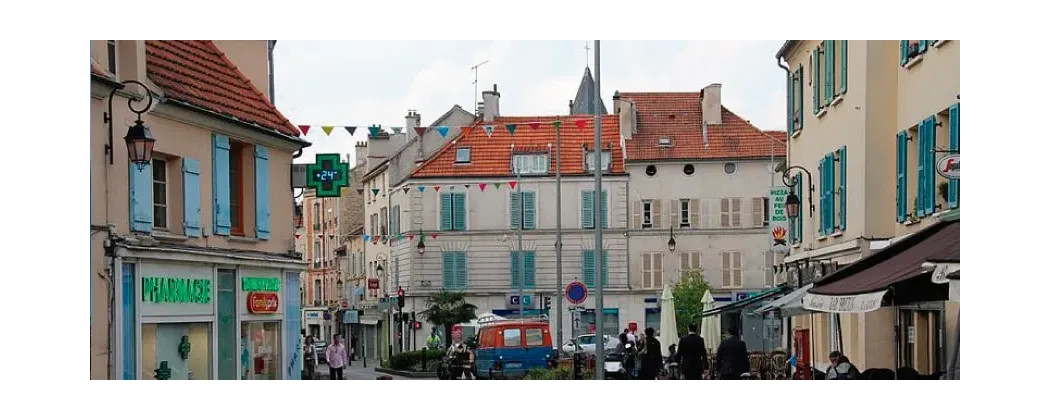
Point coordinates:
[[778, 219], [227, 324], [292, 325]]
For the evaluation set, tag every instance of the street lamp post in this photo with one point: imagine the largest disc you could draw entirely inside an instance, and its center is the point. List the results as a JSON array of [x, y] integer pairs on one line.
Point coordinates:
[[671, 244], [599, 304], [139, 139], [791, 204], [520, 256]]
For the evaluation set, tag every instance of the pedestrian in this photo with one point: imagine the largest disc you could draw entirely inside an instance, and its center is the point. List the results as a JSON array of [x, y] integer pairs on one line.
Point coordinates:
[[731, 357], [630, 336], [464, 362], [651, 356], [336, 356], [310, 358], [434, 340], [627, 352], [841, 367], [692, 355], [353, 350], [671, 366]]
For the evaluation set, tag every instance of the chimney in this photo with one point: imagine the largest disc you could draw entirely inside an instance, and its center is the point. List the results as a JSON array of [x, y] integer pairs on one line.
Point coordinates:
[[617, 102], [378, 146], [491, 100], [361, 153], [412, 120], [711, 104], [570, 106], [624, 110]]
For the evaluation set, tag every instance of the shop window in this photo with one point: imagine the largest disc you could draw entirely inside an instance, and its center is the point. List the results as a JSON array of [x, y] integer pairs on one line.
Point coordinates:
[[176, 350], [261, 350]]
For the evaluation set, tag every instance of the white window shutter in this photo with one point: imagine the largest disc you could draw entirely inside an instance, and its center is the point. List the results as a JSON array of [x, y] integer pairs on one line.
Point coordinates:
[[657, 214], [727, 266], [647, 270], [757, 214], [658, 270], [735, 211], [637, 214], [725, 212], [675, 211], [694, 213], [684, 262]]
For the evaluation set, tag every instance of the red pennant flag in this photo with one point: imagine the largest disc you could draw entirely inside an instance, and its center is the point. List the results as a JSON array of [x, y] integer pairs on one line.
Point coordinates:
[[482, 186], [410, 237], [465, 130], [305, 129], [512, 184], [433, 236], [437, 187], [535, 125], [420, 130], [580, 123]]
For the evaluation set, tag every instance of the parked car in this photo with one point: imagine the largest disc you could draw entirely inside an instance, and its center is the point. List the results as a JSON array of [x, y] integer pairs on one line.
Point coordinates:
[[586, 343], [320, 346]]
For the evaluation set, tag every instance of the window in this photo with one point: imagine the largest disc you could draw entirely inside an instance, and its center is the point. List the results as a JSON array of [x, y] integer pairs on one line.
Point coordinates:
[[683, 213], [373, 225], [161, 344], [911, 51], [729, 168], [317, 254], [731, 212], [688, 169], [650, 170], [760, 211], [606, 159], [523, 261], [828, 73], [652, 320], [533, 337], [531, 164], [652, 270], [383, 222], [317, 216], [463, 155], [318, 291], [512, 337], [523, 209], [587, 209], [690, 260], [453, 211], [395, 220], [237, 179], [339, 292], [647, 213], [261, 348], [160, 194], [587, 264], [795, 102], [111, 55], [832, 171], [454, 269], [732, 273]]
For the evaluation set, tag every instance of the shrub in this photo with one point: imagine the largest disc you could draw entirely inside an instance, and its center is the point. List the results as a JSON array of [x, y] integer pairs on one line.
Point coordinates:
[[412, 360], [558, 374]]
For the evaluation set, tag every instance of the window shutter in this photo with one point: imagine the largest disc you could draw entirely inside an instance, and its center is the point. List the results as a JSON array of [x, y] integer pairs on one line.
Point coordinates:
[[515, 268], [446, 211], [448, 269], [815, 80], [803, 208], [829, 71], [675, 212], [459, 211], [904, 52], [757, 212], [735, 211], [694, 213], [738, 278], [684, 263], [820, 201], [829, 170], [657, 213], [515, 210], [605, 209], [843, 44], [637, 216], [529, 201], [798, 95], [725, 212], [262, 193], [727, 266], [930, 157], [791, 103], [922, 46], [605, 268], [695, 263], [191, 198], [658, 269], [587, 209], [221, 183], [141, 186], [530, 269], [587, 265], [920, 158], [461, 269], [902, 176], [953, 146], [647, 270], [769, 268], [842, 188]]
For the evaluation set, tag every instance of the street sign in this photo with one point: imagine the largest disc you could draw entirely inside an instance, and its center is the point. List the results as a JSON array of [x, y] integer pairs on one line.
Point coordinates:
[[513, 301], [576, 293], [948, 166]]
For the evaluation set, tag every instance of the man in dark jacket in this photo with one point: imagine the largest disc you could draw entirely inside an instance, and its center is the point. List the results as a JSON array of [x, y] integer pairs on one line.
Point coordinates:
[[692, 355], [652, 357], [732, 356]]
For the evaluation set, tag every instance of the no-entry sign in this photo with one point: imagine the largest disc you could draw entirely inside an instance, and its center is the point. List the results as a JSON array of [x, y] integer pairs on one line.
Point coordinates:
[[576, 293]]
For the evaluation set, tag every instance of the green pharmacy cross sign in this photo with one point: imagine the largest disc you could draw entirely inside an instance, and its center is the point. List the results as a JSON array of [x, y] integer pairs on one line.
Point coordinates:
[[327, 175]]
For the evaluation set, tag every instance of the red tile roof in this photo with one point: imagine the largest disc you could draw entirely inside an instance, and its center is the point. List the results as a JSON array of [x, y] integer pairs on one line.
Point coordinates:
[[491, 156], [199, 73], [677, 115]]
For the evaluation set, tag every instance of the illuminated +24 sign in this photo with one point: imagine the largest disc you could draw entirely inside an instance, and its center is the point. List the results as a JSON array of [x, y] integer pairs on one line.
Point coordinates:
[[327, 175]]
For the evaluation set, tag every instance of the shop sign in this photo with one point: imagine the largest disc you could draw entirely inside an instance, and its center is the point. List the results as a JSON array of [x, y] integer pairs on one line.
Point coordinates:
[[260, 284], [262, 302], [866, 302], [778, 219], [175, 290], [948, 166], [514, 301], [327, 175], [373, 284]]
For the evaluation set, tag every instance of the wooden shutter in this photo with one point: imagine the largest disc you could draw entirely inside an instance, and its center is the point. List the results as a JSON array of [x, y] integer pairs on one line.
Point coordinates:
[[727, 266], [515, 210], [735, 211], [758, 218], [587, 265], [658, 270], [843, 45], [694, 213], [448, 269], [904, 52], [446, 212], [695, 263], [515, 268], [191, 198], [636, 217], [814, 70], [461, 269], [530, 269], [657, 214], [738, 278], [221, 184], [587, 209], [829, 71], [902, 175], [262, 193], [647, 270], [675, 212], [791, 103], [605, 209], [725, 212], [953, 146], [683, 263], [842, 188], [928, 155], [459, 211], [529, 212], [141, 190]]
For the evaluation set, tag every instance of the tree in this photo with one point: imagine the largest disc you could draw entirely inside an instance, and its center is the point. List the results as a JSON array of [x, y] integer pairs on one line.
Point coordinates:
[[446, 309], [689, 299]]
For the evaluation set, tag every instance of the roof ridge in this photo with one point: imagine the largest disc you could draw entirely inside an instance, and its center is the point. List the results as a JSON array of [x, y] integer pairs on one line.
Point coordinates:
[[748, 122], [246, 80]]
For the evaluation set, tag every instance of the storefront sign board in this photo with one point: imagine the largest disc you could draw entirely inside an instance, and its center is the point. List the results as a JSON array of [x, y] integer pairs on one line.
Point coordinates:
[[263, 302], [176, 289], [778, 219], [865, 302]]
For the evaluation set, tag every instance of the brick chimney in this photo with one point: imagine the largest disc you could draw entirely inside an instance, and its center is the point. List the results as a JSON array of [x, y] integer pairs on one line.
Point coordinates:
[[711, 104], [412, 120], [625, 111], [361, 153], [491, 108]]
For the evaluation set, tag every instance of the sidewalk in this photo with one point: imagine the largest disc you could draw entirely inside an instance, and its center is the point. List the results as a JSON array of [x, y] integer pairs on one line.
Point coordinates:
[[358, 371]]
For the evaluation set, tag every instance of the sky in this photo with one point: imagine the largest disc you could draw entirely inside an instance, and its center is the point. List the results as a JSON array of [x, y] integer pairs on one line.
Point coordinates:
[[360, 83]]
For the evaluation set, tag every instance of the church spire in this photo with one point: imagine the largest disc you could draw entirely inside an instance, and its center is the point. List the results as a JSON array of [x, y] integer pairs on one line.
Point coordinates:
[[584, 102]]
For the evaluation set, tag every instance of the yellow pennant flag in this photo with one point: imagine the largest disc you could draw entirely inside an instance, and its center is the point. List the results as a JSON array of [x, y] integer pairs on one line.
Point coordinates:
[[327, 129]]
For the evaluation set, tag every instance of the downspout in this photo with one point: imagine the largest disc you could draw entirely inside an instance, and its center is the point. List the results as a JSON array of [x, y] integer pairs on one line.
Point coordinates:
[[269, 56], [787, 156]]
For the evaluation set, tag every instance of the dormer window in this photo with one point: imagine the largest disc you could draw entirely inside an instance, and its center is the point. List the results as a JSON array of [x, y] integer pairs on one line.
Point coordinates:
[[606, 159], [665, 141], [463, 155], [530, 164]]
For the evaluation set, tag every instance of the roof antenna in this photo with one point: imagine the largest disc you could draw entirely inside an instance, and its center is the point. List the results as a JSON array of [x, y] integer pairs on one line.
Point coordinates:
[[475, 70], [587, 52]]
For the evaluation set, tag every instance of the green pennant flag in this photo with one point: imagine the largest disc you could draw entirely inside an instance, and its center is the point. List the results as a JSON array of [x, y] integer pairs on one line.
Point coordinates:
[[557, 123], [497, 184], [511, 128], [375, 191]]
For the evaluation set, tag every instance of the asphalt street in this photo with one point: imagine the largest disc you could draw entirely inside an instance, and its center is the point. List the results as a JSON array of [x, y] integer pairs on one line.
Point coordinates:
[[358, 371]]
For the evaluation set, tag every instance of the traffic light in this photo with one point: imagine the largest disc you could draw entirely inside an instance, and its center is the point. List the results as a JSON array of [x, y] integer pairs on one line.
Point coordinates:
[[417, 325], [397, 317], [400, 297], [546, 302]]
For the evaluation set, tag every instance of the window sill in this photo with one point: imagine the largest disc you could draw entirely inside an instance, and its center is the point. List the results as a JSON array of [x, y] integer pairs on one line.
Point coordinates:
[[796, 134], [911, 222], [822, 238], [796, 246], [939, 43], [838, 99], [165, 236], [822, 112], [913, 61], [243, 239], [836, 234]]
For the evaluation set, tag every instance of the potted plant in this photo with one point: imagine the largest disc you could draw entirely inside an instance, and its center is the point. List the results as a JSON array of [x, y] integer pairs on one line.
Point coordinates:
[[942, 188]]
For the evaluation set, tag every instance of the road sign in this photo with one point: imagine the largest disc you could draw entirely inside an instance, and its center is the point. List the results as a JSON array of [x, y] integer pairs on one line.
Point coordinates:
[[576, 293]]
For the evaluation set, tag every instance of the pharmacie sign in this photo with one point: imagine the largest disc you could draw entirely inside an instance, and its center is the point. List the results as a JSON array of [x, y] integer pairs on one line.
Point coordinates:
[[260, 284], [176, 290], [778, 219]]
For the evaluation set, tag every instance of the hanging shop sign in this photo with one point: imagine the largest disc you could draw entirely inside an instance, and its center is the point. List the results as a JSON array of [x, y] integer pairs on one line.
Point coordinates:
[[176, 290], [865, 302], [260, 284], [948, 166], [373, 284], [263, 302], [328, 175], [778, 219]]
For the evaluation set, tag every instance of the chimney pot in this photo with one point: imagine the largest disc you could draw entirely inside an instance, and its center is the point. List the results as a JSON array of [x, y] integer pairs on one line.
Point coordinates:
[[490, 107], [711, 104]]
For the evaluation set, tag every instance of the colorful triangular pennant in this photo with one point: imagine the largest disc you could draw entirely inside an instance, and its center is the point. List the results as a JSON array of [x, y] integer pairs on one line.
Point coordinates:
[[556, 124], [466, 129], [511, 128], [535, 125], [580, 123], [497, 184], [482, 186], [421, 188], [365, 237], [512, 184], [488, 130], [442, 130], [373, 131], [411, 237], [404, 189], [360, 190], [350, 129], [433, 236], [437, 187], [375, 191], [305, 129], [467, 186], [327, 129], [420, 130]]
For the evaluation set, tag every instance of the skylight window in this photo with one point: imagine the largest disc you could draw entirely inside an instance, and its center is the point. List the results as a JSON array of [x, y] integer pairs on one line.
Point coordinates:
[[463, 155], [531, 164]]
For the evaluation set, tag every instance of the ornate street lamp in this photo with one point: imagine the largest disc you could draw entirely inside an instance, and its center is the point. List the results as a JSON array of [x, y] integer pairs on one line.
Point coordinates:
[[792, 202], [671, 242], [139, 139], [421, 247], [379, 269]]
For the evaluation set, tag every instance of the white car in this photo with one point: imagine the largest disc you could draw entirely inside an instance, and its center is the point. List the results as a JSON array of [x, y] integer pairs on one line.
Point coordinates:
[[586, 343]]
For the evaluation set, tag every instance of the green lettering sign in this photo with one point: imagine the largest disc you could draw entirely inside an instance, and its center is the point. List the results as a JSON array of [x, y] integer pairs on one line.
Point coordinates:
[[176, 290], [260, 284]]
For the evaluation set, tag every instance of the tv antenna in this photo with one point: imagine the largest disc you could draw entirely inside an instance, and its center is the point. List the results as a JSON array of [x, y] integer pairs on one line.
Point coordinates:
[[474, 68]]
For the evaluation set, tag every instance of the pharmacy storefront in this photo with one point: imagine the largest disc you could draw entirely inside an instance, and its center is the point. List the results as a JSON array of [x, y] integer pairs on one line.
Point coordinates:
[[197, 320]]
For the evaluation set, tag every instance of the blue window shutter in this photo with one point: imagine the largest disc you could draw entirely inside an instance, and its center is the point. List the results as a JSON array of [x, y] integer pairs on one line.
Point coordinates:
[[141, 186], [823, 205], [448, 269], [931, 165], [191, 198], [515, 210], [461, 269], [791, 103], [220, 180], [446, 211], [842, 188], [922, 46], [843, 44], [902, 176], [529, 202], [587, 209], [530, 269], [953, 145], [128, 300], [904, 52], [515, 268], [920, 159], [814, 79], [798, 96], [829, 71], [605, 267], [588, 267], [605, 209], [829, 193], [262, 193], [459, 211], [803, 209]]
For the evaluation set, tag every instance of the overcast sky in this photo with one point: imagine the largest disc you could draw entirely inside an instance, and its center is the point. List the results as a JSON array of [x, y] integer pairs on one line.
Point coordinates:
[[372, 82]]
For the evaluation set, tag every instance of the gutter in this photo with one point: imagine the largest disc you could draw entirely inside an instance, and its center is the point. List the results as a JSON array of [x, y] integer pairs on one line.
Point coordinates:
[[789, 44]]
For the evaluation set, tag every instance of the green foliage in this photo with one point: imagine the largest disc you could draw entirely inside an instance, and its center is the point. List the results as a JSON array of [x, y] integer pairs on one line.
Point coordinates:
[[557, 374], [447, 308], [688, 299], [412, 360]]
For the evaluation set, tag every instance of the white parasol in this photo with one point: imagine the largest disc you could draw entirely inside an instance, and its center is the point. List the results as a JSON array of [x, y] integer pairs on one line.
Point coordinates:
[[711, 327], [668, 322]]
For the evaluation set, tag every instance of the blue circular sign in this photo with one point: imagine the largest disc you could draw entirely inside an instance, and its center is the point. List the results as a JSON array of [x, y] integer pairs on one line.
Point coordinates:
[[576, 293]]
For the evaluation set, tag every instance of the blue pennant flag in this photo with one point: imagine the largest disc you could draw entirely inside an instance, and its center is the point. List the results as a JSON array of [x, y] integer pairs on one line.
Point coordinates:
[[421, 188], [442, 130]]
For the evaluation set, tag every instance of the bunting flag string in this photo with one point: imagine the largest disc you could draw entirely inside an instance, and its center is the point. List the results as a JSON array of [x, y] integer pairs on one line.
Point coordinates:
[[375, 130], [406, 189], [395, 237]]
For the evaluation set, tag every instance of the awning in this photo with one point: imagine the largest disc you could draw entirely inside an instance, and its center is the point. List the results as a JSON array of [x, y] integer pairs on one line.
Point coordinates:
[[861, 286], [789, 304], [740, 304]]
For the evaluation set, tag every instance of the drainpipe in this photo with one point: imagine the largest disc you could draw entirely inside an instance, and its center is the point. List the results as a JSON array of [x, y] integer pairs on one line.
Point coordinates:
[[269, 55], [787, 156]]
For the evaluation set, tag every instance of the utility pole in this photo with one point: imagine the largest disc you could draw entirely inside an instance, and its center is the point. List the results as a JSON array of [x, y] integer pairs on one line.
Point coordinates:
[[599, 305], [557, 232], [521, 252]]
